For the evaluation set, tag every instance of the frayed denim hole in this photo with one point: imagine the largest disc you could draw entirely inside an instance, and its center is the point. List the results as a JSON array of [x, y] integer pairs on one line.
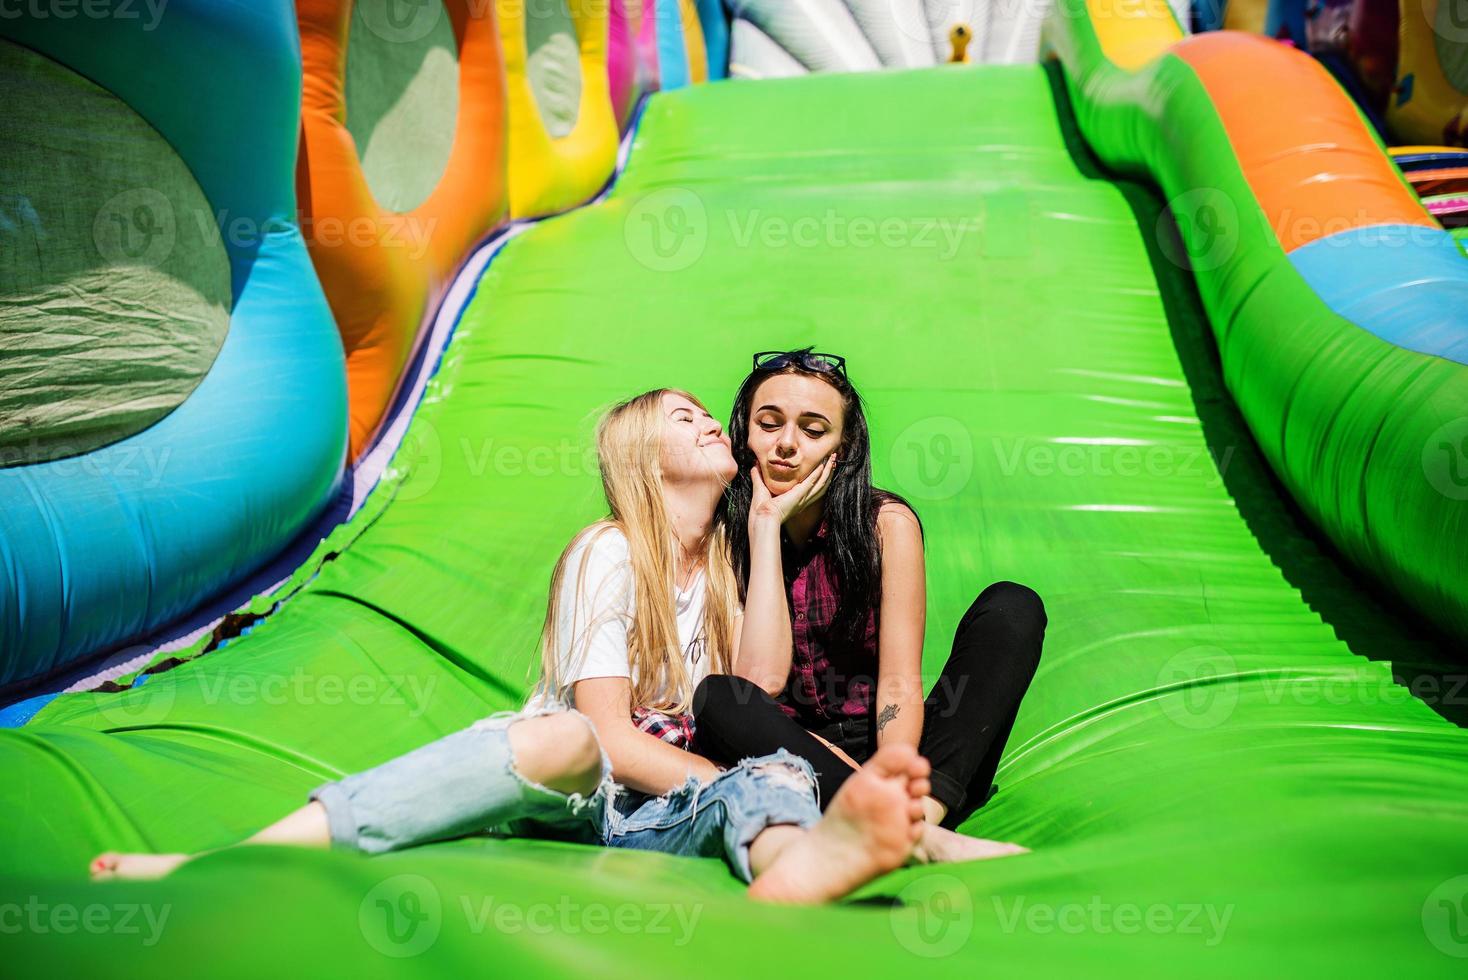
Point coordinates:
[[784, 766], [605, 788]]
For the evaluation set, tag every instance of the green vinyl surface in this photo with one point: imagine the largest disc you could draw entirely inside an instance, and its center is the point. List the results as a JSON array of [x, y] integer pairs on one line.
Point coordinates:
[[1233, 759]]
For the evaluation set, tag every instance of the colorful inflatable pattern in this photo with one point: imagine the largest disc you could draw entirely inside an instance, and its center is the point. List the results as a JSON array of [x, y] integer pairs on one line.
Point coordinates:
[[257, 310], [107, 545], [392, 191]]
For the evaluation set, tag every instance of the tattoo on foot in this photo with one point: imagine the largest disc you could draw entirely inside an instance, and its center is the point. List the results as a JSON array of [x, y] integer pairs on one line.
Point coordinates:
[[888, 712]]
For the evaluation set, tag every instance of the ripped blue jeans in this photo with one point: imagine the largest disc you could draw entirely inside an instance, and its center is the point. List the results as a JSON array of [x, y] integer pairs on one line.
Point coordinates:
[[466, 783]]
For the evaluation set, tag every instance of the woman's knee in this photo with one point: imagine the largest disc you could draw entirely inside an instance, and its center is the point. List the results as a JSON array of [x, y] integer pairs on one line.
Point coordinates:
[[558, 750], [720, 696], [1016, 604], [1012, 614]]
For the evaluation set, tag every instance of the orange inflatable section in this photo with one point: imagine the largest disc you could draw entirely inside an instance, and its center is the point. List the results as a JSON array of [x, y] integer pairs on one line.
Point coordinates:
[[1342, 181], [382, 271]]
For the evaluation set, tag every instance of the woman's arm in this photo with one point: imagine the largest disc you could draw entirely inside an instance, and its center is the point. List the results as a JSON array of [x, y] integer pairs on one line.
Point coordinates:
[[763, 645], [900, 635], [641, 761], [763, 650]]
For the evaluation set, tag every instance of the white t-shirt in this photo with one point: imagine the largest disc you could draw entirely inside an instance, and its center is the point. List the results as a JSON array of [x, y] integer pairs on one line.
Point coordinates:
[[596, 611]]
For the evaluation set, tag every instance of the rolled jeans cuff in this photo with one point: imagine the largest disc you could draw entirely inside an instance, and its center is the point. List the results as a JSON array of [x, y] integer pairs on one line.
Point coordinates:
[[463, 783], [777, 800]]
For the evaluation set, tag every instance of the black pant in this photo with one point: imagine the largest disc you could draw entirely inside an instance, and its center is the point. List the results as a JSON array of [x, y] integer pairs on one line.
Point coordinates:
[[967, 716]]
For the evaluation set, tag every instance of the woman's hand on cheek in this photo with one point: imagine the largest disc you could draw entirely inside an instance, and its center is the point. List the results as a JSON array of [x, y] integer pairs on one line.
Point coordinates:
[[764, 506]]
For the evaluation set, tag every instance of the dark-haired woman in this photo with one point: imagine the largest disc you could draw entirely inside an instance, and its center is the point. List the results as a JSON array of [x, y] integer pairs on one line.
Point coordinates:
[[831, 572]]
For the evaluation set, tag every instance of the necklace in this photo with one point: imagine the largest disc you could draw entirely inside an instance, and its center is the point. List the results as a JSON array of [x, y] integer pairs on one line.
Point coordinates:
[[688, 565]]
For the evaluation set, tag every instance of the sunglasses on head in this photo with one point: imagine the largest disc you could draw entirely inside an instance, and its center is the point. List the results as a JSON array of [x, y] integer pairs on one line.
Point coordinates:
[[775, 360]]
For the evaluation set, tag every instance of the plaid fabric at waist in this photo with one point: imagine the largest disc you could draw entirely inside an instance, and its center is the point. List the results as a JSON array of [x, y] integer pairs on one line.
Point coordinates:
[[830, 678], [674, 729]]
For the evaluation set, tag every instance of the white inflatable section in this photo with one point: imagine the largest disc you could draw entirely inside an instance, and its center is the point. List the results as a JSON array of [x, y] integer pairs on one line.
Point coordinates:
[[865, 35], [820, 34], [752, 54], [898, 32]]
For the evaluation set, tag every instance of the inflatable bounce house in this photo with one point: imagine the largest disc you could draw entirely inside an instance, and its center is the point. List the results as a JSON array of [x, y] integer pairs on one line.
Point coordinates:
[[1405, 64], [308, 313]]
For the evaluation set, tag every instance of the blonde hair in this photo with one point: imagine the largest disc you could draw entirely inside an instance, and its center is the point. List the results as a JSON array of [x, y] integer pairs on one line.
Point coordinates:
[[629, 444]]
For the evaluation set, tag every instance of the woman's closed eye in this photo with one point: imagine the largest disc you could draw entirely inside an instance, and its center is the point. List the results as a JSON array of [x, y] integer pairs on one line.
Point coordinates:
[[772, 426]]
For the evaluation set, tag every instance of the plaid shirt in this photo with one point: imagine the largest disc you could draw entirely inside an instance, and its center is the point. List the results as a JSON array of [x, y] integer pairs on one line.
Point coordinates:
[[673, 729], [830, 678]]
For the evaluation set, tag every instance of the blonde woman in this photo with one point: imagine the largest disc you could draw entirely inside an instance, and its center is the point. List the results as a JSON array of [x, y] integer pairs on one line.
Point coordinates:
[[642, 606]]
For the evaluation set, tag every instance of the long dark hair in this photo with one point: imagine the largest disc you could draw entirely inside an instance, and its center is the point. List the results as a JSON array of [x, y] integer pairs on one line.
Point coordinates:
[[851, 502]]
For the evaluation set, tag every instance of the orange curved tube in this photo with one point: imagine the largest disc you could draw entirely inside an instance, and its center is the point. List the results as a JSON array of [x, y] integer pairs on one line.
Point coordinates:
[[1341, 181], [381, 270]]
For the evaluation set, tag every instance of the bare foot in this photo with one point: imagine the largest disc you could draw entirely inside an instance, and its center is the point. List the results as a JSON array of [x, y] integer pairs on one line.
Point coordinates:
[[869, 829], [940, 845], [134, 867]]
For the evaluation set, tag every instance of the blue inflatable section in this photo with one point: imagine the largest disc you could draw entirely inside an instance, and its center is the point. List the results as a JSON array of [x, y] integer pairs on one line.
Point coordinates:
[[672, 55], [102, 548], [1406, 284], [715, 27]]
